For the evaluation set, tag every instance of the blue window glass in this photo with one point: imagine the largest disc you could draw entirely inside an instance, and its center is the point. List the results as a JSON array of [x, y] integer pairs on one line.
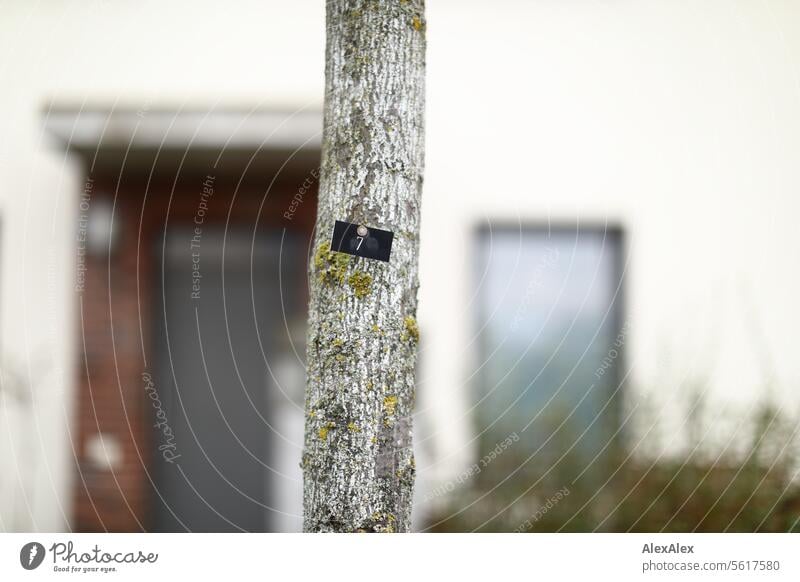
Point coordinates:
[[551, 339]]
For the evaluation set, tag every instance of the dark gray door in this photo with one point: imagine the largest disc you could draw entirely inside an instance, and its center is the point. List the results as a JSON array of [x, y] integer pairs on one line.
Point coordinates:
[[219, 311]]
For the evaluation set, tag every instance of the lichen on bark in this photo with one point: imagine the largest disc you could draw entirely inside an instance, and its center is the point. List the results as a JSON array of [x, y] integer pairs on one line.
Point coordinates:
[[358, 460]]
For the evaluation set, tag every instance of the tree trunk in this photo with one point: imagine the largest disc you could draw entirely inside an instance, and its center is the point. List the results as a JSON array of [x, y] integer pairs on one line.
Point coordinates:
[[358, 461]]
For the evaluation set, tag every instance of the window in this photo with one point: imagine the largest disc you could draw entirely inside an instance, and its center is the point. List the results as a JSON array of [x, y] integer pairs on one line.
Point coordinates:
[[550, 338]]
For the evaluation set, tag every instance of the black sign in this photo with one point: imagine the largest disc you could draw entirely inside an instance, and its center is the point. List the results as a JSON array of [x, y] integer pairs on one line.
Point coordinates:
[[362, 241]]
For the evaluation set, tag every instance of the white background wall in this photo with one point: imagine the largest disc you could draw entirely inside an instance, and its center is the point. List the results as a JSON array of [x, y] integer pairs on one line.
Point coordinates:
[[679, 120]]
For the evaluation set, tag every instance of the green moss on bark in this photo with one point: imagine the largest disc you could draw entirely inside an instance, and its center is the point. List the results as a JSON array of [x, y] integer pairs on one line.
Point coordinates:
[[361, 283], [411, 329], [330, 266]]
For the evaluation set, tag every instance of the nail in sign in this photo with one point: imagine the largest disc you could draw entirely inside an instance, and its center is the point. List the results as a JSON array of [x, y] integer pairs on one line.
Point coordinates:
[[360, 240]]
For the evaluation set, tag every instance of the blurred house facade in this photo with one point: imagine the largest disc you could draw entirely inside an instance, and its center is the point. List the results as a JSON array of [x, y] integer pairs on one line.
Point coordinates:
[[608, 217], [192, 297]]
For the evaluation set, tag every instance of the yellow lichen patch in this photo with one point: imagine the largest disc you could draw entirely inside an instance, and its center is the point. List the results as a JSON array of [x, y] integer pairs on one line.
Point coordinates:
[[323, 431], [337, 342], [331, 267], [375, 328], [411, 328], [361, 283], [417, 23], [390, 404], [352, 427]]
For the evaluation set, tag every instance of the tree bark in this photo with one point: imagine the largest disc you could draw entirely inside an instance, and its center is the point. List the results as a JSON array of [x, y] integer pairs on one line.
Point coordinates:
[[358, 461]]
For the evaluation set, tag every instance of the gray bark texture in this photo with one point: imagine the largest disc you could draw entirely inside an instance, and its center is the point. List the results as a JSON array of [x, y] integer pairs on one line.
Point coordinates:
[[358, 462]]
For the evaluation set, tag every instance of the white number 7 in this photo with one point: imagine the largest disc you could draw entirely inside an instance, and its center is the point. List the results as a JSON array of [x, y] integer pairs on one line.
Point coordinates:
[[360, 240]]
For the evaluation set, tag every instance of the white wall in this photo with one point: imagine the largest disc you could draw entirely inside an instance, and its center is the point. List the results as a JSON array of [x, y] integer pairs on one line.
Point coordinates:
[[680, 120]]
